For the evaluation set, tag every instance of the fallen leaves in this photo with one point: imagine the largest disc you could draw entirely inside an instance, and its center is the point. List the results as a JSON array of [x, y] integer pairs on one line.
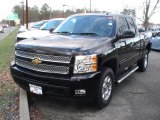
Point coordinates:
[[35, 113], [9, 96]]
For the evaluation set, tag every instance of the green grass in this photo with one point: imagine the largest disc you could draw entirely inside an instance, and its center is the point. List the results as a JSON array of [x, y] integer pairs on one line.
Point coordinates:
[[8, 89], [6, 48]]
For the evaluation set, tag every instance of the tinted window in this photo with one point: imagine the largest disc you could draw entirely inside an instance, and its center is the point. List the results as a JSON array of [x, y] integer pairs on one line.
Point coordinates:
[[51, 24], [100, 25], [132, 25], [39, 24], [123, 25]]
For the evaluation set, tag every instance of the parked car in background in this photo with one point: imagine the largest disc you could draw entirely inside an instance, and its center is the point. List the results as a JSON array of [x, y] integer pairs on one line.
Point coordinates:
[[23, 29], [153, 30], [1, 29], [141, 30], [147, 34], [53, 23], [39, 24], [155, 42], [42, 31], [5, 25], [31, 26]]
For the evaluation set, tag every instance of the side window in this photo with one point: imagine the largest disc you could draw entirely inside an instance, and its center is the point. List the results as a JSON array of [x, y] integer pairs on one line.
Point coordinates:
[[123, 25], [132, 25]]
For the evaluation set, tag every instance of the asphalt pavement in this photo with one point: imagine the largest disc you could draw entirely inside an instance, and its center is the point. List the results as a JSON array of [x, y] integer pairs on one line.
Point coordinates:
[[136, 98], [6, 32]]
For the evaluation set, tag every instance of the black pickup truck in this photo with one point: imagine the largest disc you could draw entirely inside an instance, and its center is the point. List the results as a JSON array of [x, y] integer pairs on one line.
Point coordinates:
[[84, 58]]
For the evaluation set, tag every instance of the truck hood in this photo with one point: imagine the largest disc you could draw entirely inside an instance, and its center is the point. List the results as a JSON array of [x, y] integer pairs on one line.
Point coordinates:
[[34, 34], [61, 44]]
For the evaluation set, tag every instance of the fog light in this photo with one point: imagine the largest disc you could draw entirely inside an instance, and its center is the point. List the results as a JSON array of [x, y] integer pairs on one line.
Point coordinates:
[[80, 91]]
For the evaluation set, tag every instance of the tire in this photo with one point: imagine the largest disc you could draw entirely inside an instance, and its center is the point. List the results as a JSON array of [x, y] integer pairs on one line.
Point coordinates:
[[143, 63], [104, 94]]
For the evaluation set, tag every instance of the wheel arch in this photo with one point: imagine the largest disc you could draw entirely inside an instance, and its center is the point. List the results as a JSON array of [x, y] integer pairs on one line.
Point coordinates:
[[111, 63]]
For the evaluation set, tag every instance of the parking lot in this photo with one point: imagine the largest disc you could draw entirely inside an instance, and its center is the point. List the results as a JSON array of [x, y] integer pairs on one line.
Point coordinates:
[[136, 98], [6, 32]]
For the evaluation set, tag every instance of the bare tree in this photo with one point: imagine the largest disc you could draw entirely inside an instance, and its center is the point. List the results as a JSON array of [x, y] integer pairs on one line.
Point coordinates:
[[127, 11], [148, 11]]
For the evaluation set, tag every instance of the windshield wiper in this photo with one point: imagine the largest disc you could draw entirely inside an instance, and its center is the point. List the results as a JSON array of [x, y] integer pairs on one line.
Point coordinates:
[[68, 33], [43, 29], [87, 34], [64, 32]]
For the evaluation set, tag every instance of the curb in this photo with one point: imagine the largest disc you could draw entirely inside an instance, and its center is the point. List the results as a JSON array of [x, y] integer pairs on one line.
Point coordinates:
[[23, 105]]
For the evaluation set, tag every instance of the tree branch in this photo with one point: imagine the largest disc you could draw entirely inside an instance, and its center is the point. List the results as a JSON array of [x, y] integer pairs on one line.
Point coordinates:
[[139, 19], [153, 10]]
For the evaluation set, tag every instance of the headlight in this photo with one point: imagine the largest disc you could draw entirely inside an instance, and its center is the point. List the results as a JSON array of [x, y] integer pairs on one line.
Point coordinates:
[[85, 64]]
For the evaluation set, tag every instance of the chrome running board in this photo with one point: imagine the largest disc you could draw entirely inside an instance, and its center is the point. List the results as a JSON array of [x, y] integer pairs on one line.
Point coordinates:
[[128, 74]]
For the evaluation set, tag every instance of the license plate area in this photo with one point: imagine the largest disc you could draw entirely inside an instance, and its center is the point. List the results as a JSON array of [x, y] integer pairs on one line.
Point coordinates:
[[35, 89]]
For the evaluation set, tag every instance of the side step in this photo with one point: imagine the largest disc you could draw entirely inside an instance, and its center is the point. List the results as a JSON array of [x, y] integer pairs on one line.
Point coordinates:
[[128, 74]]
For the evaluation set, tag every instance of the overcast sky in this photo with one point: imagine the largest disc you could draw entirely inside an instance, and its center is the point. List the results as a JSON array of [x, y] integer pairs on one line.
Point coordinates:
[[115, 6]]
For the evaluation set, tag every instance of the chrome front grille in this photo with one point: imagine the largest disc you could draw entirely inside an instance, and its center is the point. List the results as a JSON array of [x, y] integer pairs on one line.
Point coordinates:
[[42, 67], [48, 58]]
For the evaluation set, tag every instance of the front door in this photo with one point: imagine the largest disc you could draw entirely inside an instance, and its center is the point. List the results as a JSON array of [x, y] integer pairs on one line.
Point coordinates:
[[121, 45]]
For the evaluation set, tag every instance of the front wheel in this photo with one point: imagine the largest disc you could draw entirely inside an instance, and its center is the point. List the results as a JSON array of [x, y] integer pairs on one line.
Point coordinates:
[[105, 88], [143, 63]]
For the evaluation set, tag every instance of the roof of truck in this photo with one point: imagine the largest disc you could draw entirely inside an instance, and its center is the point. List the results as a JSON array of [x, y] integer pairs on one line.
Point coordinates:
[[103, 14]]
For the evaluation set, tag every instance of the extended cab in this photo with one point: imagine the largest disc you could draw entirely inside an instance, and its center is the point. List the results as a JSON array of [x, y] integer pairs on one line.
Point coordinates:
[[84, 58]]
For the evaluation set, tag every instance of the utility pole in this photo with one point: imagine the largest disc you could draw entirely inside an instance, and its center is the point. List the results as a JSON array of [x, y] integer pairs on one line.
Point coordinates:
[[26, 14], [22, 12], [90, 6], [50, 16], [63, 11]]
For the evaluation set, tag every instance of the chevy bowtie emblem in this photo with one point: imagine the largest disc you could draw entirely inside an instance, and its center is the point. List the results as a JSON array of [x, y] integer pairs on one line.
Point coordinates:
[[36, 61]]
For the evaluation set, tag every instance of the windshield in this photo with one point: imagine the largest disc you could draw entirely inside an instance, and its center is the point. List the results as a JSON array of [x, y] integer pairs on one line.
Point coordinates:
[[90, 24], [39, 24], [50, 24]]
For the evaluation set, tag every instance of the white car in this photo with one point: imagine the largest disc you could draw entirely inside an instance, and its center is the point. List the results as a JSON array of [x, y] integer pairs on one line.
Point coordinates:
[[32, 34], [1, 29], [23, 29], [41, 32]]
